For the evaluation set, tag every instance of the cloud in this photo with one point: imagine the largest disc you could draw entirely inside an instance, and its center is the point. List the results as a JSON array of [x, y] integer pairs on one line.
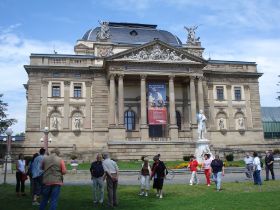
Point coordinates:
[[14, 53]]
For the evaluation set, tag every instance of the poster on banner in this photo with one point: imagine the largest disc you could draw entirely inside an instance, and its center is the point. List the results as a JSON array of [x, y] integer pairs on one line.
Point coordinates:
[[157, 113]]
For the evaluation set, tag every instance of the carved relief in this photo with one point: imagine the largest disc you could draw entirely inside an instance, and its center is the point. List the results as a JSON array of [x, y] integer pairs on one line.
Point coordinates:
[[104, 51], [157, 53], [77, 121]]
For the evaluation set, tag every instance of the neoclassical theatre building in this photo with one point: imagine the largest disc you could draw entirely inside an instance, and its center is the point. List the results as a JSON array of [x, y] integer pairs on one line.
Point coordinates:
[[133, 89]]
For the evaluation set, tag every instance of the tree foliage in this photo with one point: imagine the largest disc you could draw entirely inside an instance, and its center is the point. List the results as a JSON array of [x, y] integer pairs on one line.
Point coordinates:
[[4, 121]]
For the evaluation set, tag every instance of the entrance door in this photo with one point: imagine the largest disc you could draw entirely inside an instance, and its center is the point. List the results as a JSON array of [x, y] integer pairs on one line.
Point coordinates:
[[156, 131]]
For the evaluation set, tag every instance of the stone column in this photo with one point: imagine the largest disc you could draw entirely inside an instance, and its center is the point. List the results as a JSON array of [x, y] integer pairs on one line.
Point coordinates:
[[87, 124], [193, 100], [44, 106], [186, 105], [173, 129], [249, 119], [143, 126], [112, 97], [66, 104], [120, 100], [230, 121], [200, 94], [211, 107]]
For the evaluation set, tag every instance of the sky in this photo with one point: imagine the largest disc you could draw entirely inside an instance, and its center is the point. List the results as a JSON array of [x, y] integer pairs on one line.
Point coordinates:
[[229, 30]]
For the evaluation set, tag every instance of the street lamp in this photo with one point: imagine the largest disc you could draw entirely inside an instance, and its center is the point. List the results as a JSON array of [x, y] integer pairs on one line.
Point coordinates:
[[46, 139], [8, 158]]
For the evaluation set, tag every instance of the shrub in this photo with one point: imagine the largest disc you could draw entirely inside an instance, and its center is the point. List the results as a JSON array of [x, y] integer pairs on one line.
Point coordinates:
[[186, 157], [229, 157], [276, 151]]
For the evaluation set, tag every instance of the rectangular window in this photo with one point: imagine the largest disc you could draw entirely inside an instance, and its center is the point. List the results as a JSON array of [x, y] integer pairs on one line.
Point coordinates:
[[220, 93], [77, 90], [237, 93], [55, 90]]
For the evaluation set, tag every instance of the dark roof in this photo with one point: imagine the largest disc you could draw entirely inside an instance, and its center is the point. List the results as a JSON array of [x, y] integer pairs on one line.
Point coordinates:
[[124, 33], [231, 62], [17, 138], [270, 114]]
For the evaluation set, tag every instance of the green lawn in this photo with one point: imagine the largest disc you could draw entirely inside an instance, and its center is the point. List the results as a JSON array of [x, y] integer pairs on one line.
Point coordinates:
[[135, 165], [234, 196]]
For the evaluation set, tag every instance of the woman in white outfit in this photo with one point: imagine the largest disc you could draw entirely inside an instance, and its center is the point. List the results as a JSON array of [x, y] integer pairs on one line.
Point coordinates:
[[145, 175]]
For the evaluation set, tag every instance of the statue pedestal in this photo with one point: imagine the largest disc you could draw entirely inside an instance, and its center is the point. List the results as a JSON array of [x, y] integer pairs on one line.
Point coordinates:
[[8, 161], [202, 147]]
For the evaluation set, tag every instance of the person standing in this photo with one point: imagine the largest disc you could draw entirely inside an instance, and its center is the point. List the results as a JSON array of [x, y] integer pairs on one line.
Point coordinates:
[[20, 175], [269, 159], [97, 176], [37, 176], [112, 174], [217, 168], [29, 171], [249, 165], [144, 177], [206, 165], [257, 169], [158, 173], [193, 168], [54, 169]]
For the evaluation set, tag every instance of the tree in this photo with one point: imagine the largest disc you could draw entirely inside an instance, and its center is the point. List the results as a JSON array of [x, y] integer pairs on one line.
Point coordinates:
[[4, 121]]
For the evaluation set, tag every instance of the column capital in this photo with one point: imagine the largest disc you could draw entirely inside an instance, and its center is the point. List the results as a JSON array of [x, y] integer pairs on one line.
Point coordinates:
[[143, 76], [67, 83], [45, 83], [88, 83], [228, 86], [121, 76], [192, 77], [112, 76], [247, 87], [171, 76], [210, 86]]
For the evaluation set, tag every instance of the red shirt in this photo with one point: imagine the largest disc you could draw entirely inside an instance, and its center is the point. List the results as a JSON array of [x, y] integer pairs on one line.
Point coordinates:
[[193, 165]]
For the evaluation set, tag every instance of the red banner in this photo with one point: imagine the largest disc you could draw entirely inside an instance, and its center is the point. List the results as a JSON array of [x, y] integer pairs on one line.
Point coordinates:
[[157, 116]]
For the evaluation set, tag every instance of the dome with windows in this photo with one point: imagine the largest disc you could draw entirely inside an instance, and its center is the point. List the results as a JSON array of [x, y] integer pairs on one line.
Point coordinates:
[[134, 33]]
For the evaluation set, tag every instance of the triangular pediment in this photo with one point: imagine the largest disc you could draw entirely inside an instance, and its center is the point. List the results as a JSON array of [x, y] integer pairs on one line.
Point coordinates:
[[81, 46], [156, 51]]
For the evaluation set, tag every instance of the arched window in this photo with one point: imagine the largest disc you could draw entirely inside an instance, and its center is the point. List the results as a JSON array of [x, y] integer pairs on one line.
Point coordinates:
[[129, 120], [178, 118]]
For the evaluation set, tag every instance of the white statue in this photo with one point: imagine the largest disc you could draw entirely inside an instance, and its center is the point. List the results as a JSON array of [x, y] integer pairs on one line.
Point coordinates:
[[104, 32], [191, 35], [221, 123], [201, 129], [77, 123], [55, 122], [241, 122]]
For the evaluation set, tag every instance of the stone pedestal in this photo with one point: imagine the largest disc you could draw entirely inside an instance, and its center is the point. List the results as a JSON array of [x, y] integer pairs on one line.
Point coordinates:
[[173, 132], [117, 133], [144, 129], [202, 147], [9, 164]]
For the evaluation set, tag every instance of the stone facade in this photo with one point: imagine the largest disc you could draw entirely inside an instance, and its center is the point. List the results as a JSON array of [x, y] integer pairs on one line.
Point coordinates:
[[85, 98]]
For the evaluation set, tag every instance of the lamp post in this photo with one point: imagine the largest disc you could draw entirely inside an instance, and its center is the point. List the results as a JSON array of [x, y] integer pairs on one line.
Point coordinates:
[[46, 139], [8, 158]]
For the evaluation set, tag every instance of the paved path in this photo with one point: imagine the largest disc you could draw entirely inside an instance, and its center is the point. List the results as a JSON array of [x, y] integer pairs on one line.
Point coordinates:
[[130, 177]]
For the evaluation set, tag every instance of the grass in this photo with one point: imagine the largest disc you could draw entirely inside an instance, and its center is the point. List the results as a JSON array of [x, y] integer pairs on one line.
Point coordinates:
[[235, 196], [135, 165]]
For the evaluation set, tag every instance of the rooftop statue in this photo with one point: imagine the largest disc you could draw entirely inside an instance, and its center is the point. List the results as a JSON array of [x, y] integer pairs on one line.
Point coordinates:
[[191, 35], [104, 33]]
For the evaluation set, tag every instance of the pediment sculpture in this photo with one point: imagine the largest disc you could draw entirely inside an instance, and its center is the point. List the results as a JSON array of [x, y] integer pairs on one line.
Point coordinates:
[[157, 53]]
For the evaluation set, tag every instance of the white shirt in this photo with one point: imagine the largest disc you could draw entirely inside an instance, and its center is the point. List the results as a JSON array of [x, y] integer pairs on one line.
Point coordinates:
[[257, 163], [110, 166], [248, 160], [21, 166]]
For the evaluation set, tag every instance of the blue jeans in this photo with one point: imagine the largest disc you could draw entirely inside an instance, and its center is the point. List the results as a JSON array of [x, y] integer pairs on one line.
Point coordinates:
[[257, 177], [218, 179], [98, 189], [50, 192]]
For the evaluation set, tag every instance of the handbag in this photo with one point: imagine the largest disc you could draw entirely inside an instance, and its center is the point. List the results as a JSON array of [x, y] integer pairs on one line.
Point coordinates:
[[24, 177]]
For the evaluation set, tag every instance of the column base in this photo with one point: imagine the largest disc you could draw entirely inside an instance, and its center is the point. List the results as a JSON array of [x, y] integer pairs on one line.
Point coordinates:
[[117, 133], [173, 132], [144, 131]]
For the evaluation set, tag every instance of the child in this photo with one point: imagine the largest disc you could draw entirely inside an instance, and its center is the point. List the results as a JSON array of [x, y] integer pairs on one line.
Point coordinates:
[[193, 168], [145, 174]]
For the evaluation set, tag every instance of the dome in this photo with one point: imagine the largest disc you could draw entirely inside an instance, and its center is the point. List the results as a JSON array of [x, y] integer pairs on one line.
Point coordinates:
[[134, 33]]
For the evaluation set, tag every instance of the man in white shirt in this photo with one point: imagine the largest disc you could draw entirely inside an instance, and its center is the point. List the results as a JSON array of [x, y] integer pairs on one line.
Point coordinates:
[[257, 169], [112, 173], [249, 165]]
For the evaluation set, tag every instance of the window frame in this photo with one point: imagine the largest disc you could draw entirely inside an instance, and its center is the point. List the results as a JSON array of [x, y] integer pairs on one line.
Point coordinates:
[[129, 120], [56, 87], [240, 93], [219, 94], [77, 93]]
